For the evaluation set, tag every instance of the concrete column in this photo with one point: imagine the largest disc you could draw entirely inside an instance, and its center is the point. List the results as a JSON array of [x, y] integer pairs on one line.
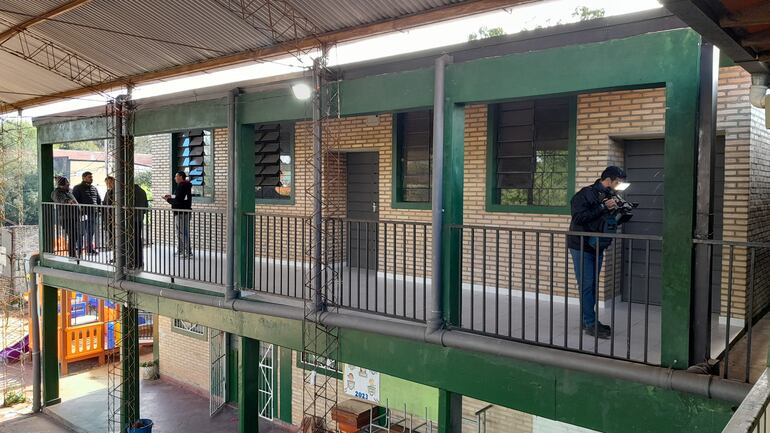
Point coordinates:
[[450, 412], [50, 349], [248, 386]]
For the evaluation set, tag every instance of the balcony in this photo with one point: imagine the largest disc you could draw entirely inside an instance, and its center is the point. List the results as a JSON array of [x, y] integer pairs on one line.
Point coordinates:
[[508, 283]]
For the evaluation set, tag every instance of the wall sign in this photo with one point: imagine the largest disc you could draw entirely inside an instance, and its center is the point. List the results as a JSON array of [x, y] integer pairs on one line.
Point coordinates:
[[361, 383]]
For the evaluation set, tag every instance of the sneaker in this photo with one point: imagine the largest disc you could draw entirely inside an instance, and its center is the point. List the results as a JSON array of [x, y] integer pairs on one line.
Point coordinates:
[[601, 331]]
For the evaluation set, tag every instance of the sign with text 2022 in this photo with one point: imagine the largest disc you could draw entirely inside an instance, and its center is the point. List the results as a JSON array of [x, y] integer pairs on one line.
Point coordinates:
[[361, 383]]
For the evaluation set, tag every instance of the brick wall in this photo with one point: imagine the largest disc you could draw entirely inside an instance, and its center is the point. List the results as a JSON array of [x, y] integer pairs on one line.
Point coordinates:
[[182, 358], [759, 200], [498, 419], [297, 381]]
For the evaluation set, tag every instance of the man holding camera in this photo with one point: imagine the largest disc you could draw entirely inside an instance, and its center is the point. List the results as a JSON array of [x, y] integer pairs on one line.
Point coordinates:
[[593, 210]]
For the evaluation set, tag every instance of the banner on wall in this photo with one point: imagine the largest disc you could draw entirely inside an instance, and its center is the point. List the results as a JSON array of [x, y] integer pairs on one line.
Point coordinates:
[[361, 383]]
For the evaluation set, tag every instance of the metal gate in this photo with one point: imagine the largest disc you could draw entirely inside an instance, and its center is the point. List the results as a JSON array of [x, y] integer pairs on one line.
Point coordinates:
[[218, 376], [266, 375]]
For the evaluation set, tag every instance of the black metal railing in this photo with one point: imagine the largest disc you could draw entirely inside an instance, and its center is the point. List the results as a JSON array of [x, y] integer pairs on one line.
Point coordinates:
[[521, 284], [145, 324], [183, 244], [375, 266], [740, 298], [80, 232]]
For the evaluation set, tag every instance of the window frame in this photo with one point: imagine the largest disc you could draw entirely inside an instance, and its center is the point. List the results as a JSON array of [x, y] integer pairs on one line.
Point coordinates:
[[397, 201], [322, 369], [183, 331], [492, 205], [291, 201], [206, 199]]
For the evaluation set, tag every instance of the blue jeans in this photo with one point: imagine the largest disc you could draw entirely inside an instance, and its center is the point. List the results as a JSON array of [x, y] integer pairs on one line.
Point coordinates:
[[587, 281]]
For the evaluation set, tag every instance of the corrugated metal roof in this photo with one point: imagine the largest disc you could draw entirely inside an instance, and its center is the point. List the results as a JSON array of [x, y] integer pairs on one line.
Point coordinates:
[[100, 31]]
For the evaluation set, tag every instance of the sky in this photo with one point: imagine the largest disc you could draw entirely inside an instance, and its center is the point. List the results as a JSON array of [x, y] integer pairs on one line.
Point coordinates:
[[511, 20]]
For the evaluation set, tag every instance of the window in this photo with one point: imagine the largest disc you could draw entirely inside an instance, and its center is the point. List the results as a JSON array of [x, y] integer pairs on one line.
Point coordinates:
[[185, 327], [273, 162], [530, 152], [329, 367], [414, 150], [193, 152]]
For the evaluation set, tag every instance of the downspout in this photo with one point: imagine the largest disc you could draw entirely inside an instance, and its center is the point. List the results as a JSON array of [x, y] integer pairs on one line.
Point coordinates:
[[676, 380], [758, 90], [435, 317], [34, 333], [232, 205]]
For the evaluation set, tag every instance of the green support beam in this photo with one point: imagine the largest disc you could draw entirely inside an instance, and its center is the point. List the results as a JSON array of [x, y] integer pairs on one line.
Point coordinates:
[[450, 412], [248, 388], [45, 187], [285, 384], [244, 226], [454, 187], [129, 359], [50, 349]]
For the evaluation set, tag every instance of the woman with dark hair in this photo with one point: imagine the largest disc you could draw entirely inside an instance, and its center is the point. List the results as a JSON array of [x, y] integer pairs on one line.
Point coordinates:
[[68, 213]]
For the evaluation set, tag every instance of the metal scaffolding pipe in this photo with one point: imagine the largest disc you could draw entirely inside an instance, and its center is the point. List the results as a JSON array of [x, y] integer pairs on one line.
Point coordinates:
[[676, 380], [435, 317], [232, 207], [317, 217], [34, 333], [120, 191]]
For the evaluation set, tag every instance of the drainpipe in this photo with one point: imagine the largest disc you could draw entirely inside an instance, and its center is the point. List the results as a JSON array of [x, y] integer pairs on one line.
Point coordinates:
[[34, 333], [232, 205], [435, 319], [677, 380], [758, 89]]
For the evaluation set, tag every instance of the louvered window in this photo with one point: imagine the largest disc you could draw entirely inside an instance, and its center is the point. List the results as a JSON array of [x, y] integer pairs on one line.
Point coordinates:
[[414, 144], [531, 149], [193, 156], [273, 161]]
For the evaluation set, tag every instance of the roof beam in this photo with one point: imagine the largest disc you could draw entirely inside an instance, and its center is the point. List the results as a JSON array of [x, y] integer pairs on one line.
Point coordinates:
[[435, 15], [53, 13], [756, 40], [758, 14], [57, 59], [705, 21]]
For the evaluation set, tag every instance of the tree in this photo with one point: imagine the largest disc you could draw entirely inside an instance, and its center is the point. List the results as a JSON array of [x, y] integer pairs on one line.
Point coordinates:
[[584, 13], [485, 33], [18, 184]]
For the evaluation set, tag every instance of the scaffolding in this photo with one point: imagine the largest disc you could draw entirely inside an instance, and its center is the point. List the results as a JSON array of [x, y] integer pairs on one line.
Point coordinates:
[[14, 310]]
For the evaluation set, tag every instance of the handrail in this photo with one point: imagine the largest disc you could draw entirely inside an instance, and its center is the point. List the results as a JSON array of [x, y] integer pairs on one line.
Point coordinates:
[[732, 243], [752, 410], [557, 232]]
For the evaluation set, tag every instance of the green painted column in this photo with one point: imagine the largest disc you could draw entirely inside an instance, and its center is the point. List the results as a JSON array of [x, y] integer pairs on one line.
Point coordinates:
[[454, 148], [248, 388], [50, 349], [244, 226], [156, 338], [450, 412], [285, 390], [45, 187], [682, 94], [129, 359]]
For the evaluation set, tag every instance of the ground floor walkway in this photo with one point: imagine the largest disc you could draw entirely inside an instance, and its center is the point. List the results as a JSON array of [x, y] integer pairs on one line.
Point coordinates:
[[37, 423]]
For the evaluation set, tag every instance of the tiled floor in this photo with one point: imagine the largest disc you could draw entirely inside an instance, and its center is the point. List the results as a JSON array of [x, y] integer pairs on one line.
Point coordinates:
[[173, 409]]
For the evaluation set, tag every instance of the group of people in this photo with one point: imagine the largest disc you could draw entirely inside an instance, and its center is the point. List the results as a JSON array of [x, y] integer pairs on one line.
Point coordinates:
[[79, 219]]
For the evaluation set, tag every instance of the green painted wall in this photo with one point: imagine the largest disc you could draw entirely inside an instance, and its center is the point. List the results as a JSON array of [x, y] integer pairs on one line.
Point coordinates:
[[395, 393]]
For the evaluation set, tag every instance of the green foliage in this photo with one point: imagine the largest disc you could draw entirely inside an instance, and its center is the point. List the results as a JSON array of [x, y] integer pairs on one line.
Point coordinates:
[[586, 14], [92, 145], [485, 33], [144, 180], [549, 183], [18, 178], [13, 397]]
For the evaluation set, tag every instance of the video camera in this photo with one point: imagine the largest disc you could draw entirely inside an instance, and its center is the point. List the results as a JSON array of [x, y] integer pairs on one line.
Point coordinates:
[[624, 211]]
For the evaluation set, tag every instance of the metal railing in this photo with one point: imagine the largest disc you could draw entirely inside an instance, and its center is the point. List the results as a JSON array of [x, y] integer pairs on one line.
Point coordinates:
[[145, 324], [183, 244], [375, 266], [740, 297], [751, 416], [521, 284], [78, 231], [479, 420]]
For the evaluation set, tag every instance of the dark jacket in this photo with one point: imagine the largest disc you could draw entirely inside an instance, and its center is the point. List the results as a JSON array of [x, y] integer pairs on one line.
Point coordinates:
[[588, 214], [86, 194], [67, 215], [183, 197]]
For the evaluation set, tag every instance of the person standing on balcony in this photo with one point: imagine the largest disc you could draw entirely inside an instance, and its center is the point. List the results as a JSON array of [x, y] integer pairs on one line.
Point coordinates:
[[140, 204], [68, 214], [86, 193], [592, 211], [182, 201], [109, 212]]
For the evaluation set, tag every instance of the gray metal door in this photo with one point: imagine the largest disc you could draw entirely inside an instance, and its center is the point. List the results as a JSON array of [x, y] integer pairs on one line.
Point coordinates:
[[363, 170], [644, 166], [218, 372]]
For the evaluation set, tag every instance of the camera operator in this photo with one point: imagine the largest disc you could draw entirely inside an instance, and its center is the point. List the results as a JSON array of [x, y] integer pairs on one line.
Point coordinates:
[[593, 210]]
